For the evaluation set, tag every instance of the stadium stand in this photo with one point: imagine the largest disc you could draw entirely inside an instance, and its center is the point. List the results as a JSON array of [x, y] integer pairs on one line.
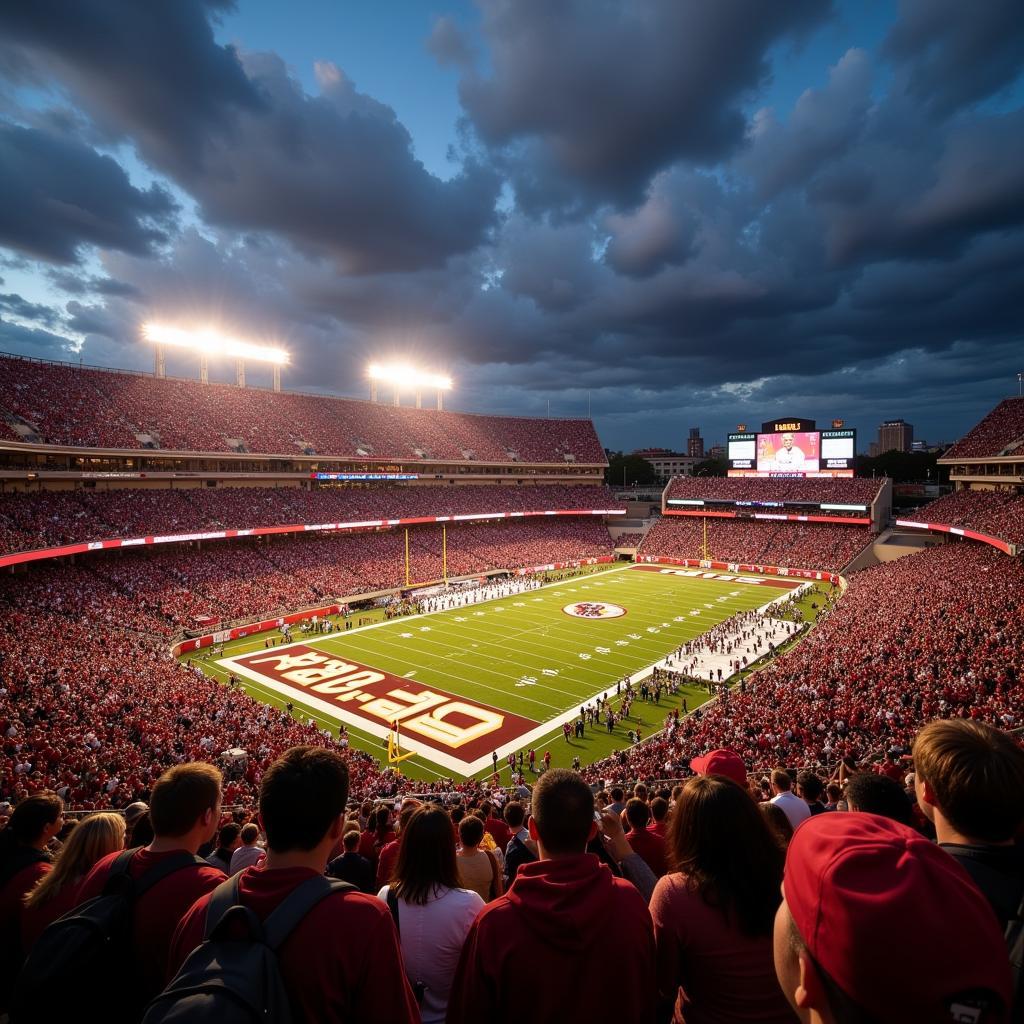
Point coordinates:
[[939, 634], [50, 518], [772, 489], [1001, 431], [83, 407], [761, 542], [999, 513]]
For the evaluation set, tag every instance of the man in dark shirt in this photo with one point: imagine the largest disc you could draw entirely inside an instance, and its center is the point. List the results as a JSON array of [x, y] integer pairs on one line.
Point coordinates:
[[351, 867], [969, 780]]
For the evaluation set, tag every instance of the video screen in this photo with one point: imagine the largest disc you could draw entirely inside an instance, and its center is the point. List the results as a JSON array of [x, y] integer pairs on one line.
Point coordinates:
[[838, 448], [790, 452], [742, 451]]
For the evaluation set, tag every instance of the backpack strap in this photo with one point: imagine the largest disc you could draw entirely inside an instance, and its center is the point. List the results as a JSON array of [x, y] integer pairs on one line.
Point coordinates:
[[119, 871], [222, 899]]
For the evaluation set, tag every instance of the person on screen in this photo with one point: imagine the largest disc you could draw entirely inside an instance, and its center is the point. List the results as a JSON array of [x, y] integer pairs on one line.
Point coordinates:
[[789, 456]]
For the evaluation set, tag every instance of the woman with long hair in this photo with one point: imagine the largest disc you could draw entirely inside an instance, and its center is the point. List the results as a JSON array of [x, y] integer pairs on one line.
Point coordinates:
[[715, 911], [432, 912], [24, 859], [56, 892]]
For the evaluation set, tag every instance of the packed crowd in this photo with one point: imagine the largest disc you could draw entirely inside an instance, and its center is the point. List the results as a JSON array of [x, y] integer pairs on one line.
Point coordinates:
[[757, 541], [710, 488], [935, 634], [629, 539], [1001, 429], [106, 409], [998, 513], [795, 896], [49, 518], [165, 589]]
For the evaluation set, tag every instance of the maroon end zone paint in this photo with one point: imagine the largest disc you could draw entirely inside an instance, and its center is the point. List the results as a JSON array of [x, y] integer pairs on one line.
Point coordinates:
[[453, 725]]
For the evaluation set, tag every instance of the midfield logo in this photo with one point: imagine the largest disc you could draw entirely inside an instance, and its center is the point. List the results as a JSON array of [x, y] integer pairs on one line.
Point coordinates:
[[594, 610]]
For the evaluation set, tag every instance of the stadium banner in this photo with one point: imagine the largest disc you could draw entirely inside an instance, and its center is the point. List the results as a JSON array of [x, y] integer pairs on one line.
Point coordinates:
[[733, 567], [789, 517], [20, 557], [197, 643], [454, 731], [997, 542]]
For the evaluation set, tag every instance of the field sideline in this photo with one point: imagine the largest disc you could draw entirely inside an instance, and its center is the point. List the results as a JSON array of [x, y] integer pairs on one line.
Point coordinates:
[[505, 673]]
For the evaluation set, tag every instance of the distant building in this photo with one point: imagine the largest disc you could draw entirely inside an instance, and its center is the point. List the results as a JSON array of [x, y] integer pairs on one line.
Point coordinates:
[[716, 452], [873, 450], [895, 435], [667, 463], [695, 444]]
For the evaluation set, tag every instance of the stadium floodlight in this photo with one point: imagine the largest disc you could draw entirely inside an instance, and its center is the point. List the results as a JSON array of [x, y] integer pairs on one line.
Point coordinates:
[[403, 377], [208, 341]]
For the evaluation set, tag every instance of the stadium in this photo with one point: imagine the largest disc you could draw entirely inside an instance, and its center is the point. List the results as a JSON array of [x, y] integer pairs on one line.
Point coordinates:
[[364, 654]]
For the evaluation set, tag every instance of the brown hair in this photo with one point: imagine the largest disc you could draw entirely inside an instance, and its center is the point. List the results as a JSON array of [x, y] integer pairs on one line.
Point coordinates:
[[181, 796], [471, 830], [977, 775], [563, 810], [720, 840], [426, 856], [303, 793]]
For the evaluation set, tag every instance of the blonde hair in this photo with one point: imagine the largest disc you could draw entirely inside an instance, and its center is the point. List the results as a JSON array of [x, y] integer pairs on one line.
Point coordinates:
[[92, 838]]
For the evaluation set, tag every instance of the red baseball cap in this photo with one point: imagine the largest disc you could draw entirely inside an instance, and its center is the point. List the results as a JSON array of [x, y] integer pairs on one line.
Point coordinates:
[[722, 762], [896, 922]]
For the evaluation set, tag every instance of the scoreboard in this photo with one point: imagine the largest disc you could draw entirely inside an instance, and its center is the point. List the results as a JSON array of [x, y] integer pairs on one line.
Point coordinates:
[[793, 447]]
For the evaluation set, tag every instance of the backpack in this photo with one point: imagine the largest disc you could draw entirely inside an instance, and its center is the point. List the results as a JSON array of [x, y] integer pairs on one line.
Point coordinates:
[[229, 980], [82, 957], [516, 854], [419, 988]]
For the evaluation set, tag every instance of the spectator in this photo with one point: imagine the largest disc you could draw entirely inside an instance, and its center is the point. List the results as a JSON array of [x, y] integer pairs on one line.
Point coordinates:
[[726, 763], [648, 844], [879, 924], [970, 784], [878, 794], [659, 816], [249, 853], [521, 849], [378, 834], [184, 809], [713, 914], [229, 838], [478, 869], [56, 893], [24, 860], [569, 918], [778, 822], [389, 853], [342, 961], [618, 804], [432, 912], [810, 789], [133, 814], [351, 866], [795, 808]]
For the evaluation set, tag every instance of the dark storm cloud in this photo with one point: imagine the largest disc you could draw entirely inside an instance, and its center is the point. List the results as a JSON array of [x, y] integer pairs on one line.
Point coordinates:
[[586, 100], [59, 195], [15, 304], [339, 166], [149, 70], [955, 53]]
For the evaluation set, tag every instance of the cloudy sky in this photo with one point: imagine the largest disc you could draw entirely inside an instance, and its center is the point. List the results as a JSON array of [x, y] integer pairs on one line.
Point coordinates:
[[686, 213]]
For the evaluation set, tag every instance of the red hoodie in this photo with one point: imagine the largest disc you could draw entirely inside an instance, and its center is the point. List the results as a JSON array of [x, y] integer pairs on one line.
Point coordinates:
[[552, 938]]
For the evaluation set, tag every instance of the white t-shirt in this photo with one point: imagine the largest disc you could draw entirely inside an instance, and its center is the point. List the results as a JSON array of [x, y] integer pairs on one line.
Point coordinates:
[[788, 458], [795, 808], [432, 936]]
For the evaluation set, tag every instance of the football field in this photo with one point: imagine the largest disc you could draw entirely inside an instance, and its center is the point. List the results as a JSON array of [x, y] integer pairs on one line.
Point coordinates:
[[503, 675]]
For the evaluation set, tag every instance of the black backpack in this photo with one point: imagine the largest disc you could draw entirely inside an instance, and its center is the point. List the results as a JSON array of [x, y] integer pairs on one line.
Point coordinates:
[[84, 956], [229, 980]]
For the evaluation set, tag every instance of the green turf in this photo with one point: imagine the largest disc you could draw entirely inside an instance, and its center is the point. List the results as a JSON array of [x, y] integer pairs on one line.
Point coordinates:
[[497, 653]]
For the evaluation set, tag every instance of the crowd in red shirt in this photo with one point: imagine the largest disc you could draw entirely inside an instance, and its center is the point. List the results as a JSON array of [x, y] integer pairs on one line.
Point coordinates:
[[998, 513]]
